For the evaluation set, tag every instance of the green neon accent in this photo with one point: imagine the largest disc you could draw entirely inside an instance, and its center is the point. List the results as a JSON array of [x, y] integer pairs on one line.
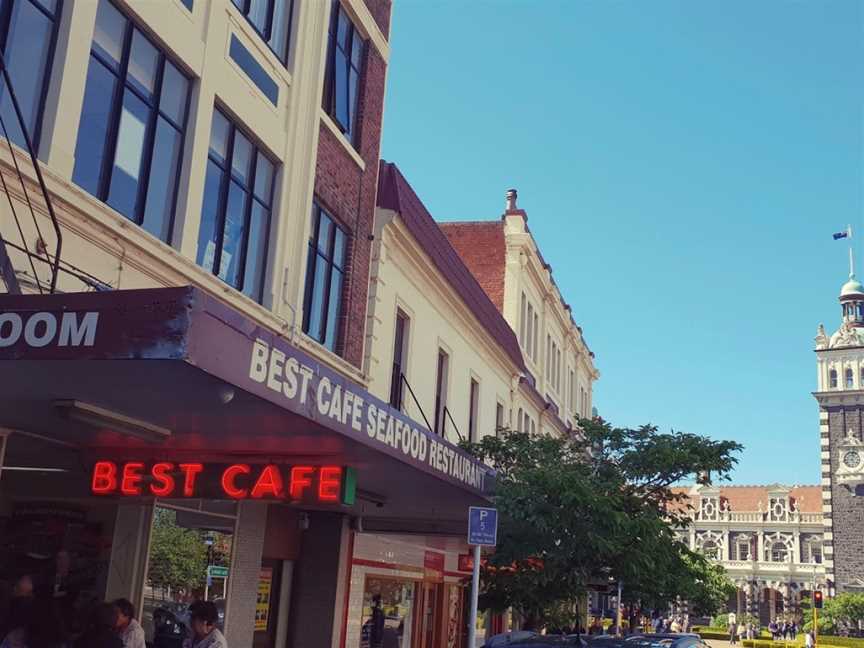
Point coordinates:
[[349, 487]]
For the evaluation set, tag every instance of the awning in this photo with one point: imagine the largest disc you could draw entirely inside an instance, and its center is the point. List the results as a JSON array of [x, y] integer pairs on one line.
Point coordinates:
[[171, 357]]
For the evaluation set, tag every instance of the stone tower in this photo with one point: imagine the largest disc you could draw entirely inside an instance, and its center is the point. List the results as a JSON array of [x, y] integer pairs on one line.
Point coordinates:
[[840, 394]]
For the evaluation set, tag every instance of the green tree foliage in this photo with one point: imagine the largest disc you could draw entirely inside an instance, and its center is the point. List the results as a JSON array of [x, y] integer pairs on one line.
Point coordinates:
[[178, 556], [593, 508], [842, 611]]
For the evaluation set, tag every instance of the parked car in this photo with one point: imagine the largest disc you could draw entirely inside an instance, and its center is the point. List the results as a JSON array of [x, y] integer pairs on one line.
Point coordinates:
[[528, 639], [666, 640]]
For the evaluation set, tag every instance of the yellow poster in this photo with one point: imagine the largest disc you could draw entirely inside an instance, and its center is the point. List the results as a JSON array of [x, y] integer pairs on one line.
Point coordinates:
[[262, 605]]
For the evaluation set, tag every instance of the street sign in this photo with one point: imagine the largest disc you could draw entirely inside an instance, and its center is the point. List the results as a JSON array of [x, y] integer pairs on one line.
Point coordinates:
[[217, 572], [482, 526]]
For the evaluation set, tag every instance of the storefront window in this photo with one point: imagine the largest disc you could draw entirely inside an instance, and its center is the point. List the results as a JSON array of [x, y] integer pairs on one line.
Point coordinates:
[[189, 560], [388, 612]]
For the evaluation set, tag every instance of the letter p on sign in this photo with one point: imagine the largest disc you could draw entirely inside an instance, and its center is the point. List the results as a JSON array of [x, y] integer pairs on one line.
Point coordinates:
[[482, 526]]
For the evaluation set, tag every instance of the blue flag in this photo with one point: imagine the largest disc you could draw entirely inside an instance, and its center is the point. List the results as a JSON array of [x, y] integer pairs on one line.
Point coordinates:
[[840, 235]]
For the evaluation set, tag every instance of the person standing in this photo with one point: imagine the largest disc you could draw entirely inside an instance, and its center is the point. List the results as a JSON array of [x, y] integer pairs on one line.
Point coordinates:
[[808, 640], [203, 616], [130, 631]]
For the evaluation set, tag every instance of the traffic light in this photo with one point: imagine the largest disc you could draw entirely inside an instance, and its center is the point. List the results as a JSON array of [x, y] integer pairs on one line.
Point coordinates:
[[817, 600]]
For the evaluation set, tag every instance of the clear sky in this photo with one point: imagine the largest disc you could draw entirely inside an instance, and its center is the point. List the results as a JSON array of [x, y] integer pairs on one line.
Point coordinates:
[[683, 165]]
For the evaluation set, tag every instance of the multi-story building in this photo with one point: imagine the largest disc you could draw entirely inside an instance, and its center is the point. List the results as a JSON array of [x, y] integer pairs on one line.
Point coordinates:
[[840, 394], [557, 389], [182, 333], [768, 538]]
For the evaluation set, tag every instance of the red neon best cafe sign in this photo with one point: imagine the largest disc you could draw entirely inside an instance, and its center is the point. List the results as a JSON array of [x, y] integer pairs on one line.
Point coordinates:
[[235, 481]]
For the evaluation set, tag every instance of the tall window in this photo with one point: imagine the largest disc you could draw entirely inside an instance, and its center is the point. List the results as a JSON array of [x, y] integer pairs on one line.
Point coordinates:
[[519, 421], [529, 335], [272, 20], [441, 391], [399, 352], [850, 380], [779, 552], [832, 377], [522, 322], [473, 407], [548, 356], [572, 391], [743, 550], [235, 214], [133, 121], [344, 66], [325, 277], [499, 418], [534, 336], [28, 31]]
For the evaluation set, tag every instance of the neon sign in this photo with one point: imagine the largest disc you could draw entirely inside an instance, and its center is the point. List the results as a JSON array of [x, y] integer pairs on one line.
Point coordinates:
[[305, 483]]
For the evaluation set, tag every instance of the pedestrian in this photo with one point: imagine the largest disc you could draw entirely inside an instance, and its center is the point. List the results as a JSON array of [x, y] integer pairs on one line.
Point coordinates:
[[808, 640], [376, 630], [130, 631], [772, 628], [100, 629], [742, 630], [203, 616], [39, 626]]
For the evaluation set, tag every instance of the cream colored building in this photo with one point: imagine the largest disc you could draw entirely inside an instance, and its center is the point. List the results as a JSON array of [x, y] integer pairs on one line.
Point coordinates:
[[438, 348], [557, 389]]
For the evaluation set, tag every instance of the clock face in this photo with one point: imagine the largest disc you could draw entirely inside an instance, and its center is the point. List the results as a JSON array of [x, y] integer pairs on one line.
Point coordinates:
[[852, 459]]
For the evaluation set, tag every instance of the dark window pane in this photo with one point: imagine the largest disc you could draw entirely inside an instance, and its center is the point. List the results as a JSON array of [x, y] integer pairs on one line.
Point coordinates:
[[232, 236], [357, 51], [324, 229], [109, 32], [264, 179], [333, 308], [207, 235], [93, 127], [242, 158], [339, 248], [219, 136], [143, 63], [26, 54], [279, 29], [341, 90], [343, 28], [164, 171], [257, 15], [126, 173], [316, 311], [175, 88], [256, 251]]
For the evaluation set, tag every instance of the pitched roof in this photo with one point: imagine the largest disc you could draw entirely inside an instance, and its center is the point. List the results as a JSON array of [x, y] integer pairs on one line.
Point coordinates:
[[808, 499], [482, 246], [396, 194]]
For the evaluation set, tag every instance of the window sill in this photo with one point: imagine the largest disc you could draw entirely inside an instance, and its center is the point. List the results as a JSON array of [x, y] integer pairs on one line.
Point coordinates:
[[331, 125], [322, 353]]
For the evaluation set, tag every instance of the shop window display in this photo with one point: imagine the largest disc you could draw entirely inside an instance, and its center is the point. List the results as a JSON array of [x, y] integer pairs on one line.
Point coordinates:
[[189, 560], [388, 612]]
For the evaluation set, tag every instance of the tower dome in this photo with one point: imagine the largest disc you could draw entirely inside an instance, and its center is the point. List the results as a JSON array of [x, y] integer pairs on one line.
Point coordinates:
[[852, 289]]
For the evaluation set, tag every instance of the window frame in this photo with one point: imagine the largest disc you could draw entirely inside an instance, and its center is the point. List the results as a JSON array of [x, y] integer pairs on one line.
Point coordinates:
[[400, 344], [473, 408], [442, 374], [351, 131], [225, 181], [112, 133], [832, 379], [317, 210], [5, 23], [265, 36], [499, 417]]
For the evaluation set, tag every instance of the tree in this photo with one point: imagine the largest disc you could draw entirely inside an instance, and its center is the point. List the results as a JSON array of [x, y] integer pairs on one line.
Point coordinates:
[[843, 611], [178, 556], [594, 508]]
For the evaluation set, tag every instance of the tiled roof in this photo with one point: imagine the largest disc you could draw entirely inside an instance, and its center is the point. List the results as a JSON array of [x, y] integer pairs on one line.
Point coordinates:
[[396, 194], [808, 499], [482, 247]]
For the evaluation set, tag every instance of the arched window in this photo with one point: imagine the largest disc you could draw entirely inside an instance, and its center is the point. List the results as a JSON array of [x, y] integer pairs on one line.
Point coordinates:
[[850, 379], [711, 550], [833, 378], [779, 552], [861, 379]]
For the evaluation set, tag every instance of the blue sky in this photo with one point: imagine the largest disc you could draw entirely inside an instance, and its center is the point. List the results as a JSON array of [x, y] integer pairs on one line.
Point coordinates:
[[683, 165]]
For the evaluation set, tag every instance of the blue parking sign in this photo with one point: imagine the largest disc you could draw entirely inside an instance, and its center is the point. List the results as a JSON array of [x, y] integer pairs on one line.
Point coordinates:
[[482, 526]]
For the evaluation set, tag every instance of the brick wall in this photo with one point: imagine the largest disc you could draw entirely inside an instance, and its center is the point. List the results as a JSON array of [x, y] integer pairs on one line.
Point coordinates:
[[380, 10], [847, 510], [348, 193], [482, 248]]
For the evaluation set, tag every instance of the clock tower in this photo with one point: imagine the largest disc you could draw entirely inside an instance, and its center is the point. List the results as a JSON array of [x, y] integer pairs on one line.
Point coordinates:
[[840, 394]]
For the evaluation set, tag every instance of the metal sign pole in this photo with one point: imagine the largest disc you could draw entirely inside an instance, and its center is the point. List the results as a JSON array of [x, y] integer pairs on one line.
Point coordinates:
[[475, 589]]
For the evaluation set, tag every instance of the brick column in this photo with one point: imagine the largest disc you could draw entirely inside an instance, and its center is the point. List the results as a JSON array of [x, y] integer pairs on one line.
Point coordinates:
[[248, 545], [320, 579]]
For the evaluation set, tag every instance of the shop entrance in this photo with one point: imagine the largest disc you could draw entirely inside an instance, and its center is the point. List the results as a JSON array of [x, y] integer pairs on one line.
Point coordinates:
[[189, 559], [432, 602]]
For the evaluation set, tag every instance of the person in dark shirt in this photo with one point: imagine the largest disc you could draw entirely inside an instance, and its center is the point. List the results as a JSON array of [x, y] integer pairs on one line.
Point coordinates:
[[376, 634], [100, 631]]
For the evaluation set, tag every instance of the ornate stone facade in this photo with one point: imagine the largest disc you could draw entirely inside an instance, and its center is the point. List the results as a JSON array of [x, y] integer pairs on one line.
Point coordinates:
[[768, 538]]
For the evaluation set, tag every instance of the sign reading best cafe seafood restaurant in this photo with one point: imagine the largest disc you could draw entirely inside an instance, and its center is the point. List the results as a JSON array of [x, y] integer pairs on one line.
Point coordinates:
[[299, 384]]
